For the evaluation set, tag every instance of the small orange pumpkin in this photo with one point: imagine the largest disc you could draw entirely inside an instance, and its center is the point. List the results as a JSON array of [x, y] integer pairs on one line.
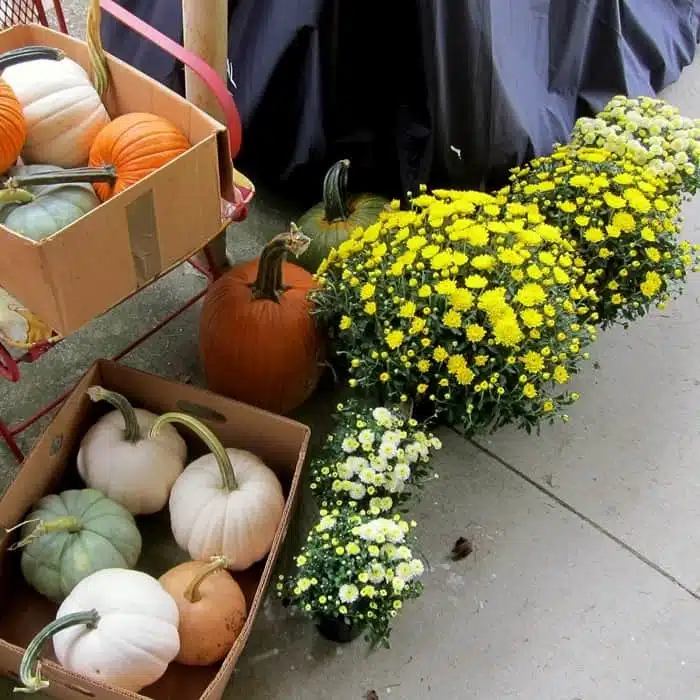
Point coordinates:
[[212, 609], [136, 145], [258, 341], [13, 128]]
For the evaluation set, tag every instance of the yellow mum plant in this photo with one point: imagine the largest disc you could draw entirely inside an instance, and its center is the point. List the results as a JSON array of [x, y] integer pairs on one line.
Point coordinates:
[[624, 220], [469, 303]]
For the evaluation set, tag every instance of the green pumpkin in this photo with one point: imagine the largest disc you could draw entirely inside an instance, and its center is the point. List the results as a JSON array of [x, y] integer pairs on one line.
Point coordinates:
[[70, 535], [39, 200], [332, 221]]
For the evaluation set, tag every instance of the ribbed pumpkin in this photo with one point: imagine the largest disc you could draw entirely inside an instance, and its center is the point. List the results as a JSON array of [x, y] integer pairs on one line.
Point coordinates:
[[330, 222], [13, 128], [62, 109], [136, 145], [258, 341]]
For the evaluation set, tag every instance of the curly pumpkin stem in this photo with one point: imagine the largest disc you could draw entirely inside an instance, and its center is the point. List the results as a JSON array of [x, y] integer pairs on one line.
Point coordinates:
[[15, 196], [29, 53], [192, 594], [228, 476], [33, 682], [107, 173], [335, 192], [66, 523], [269, 282], [132, 430]]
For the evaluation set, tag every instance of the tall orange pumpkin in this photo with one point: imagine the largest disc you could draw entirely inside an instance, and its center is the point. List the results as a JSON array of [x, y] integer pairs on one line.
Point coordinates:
[[13, 128], [258, 340], [135, 145]]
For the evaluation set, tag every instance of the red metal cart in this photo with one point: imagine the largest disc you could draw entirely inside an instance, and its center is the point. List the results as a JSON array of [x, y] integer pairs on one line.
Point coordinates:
[[33, 11]]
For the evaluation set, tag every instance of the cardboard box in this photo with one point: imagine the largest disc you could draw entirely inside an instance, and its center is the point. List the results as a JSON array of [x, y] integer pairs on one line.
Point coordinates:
[[86, 268], [50, 468]]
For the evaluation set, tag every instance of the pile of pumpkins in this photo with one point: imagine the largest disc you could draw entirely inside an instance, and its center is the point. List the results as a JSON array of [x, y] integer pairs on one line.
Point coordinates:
[[74, 156], [78, 548]]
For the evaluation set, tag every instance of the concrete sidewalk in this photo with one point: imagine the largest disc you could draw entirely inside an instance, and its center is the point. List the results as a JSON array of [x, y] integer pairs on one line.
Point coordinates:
[[584, 581]]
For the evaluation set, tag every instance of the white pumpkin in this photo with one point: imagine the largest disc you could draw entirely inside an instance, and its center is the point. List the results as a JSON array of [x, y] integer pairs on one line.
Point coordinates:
[[118, 457], [117, 626], [62, 109], [225, 503]]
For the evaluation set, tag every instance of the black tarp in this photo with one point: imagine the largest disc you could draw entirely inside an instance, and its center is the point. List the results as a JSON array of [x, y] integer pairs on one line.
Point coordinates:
[[446, 92]]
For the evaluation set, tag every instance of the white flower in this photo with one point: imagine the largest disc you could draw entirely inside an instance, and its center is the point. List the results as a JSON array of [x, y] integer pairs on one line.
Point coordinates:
[[376, 573], [366, 438], [350, 444], [387, 450], [378, 463], [356, 463], [348, 593], [412, 452], [367, 476], [395, 485], [383, 416], [344, 471], [403, 571], [402, 471], [402, 552], [327, 522], [357, 491], [398, 584], [417, 567]]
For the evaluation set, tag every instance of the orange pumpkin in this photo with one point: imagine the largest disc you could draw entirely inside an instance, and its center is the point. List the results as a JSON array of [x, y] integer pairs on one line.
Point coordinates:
[[258, 341], [136, 145], [212, 610], [13, 128]]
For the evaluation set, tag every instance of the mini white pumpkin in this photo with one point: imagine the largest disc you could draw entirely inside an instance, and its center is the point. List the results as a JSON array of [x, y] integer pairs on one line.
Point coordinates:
[[117, 626], [62, 109], [225, 503], [119, 458]]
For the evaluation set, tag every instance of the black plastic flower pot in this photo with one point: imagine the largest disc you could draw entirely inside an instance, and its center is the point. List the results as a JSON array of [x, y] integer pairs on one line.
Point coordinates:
[[337, 629]]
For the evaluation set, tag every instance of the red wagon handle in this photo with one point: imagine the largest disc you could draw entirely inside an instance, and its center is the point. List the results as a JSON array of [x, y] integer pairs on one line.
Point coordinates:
[[200, 67]]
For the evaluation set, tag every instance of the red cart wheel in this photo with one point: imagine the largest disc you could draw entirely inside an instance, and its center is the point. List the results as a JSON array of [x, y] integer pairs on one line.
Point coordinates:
[[9, 369]]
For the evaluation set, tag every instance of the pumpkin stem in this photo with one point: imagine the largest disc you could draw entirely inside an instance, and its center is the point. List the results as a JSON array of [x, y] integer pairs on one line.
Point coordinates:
[[29, 53], [335, 192], [34, 682], [269, 282], [66, 523], [192, 594], [132, 430], [108, 173], [228, 476], [15, 196]]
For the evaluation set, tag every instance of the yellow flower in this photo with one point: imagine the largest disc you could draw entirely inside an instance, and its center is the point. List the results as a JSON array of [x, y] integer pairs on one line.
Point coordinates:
[[429, 251], [624, 221], [462, 299], [661, 204], [423, 366], [548, 406], [510, 257], [651, 284], [481, 360], [345, 323], [483, 262], [567, 207], [477, 235], [367, 291], [422, 388], [475, 332], [594, 235], [560, 374], [371, 308], [446, 287], [613, 201], [531, 318], [560, 277], [653, 254], [476, 282], [407, 310], [507, 332], [384, 377], [425, 291], [637, 200], [417, 325], [531, 294], [616, 299], [534, 272], [416, 242], [457, 366], [452, 319], [394, 339], [440, 354], [533, 362], [529, 391]]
